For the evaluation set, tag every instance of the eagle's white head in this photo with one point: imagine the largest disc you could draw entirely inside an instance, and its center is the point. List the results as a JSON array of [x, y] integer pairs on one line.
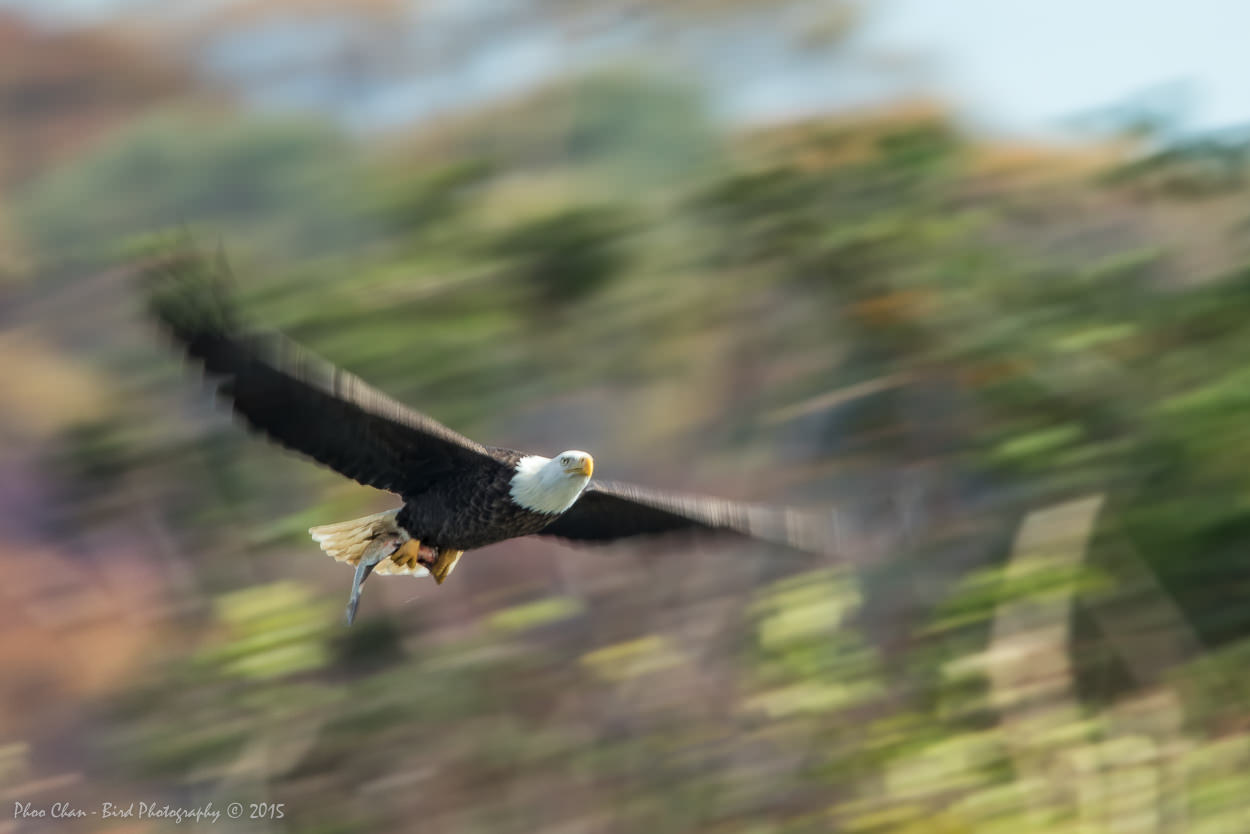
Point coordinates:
[[551, 485]]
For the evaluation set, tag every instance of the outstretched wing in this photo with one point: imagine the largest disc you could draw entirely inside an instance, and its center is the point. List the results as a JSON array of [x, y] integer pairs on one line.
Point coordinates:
[[298, 400], [609, 511]]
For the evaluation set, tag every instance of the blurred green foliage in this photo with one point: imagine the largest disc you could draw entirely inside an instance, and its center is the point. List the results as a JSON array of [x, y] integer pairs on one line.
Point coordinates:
[[295, 180], [865, 291], [565, 256]]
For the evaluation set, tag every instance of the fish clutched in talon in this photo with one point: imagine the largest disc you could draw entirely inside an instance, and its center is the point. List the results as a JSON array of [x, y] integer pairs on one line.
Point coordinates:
[[376, 544], [457, 494]]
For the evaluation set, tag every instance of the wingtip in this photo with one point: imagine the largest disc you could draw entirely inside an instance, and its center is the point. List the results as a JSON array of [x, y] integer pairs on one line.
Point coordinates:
[[187, 293]]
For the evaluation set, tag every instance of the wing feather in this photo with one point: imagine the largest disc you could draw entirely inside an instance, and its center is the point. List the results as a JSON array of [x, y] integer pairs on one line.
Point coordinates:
[[298, 400], [609, 511]]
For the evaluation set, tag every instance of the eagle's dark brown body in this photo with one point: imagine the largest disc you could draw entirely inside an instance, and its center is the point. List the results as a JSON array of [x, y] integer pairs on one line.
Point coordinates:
[[471, 508]]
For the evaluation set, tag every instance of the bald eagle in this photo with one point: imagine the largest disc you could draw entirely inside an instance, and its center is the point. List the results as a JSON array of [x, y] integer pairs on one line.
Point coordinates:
[[456, 494]]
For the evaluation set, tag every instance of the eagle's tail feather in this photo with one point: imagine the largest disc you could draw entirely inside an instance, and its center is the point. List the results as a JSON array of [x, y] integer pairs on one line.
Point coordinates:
[[361, 538]]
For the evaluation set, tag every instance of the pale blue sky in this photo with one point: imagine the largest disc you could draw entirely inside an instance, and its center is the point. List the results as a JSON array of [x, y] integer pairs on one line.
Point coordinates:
[[1025, 64], [1009, 66]]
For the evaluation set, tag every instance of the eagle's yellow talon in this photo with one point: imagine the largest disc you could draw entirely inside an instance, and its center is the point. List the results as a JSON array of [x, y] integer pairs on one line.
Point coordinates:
[[445, 564], [407, 553]]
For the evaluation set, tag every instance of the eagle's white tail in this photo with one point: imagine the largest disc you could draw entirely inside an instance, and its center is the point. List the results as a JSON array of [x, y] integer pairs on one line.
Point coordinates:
[[350, 541]]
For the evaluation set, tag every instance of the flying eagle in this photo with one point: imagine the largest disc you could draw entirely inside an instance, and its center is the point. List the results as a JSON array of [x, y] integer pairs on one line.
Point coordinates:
[[457, 494]]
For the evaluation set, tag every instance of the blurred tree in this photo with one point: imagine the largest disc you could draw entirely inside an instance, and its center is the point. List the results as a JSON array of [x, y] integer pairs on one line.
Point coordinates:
[[419, 204], [627, 127], [288, 183], [567, 256], [810, 23], [385, 62], [63, 92], [1199, 168]]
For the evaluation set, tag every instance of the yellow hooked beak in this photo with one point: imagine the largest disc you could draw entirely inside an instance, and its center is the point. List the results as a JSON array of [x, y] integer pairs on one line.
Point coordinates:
[[587, 467]]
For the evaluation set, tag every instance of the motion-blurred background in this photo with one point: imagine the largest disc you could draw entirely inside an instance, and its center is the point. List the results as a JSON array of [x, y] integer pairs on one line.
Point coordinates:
[[975, 275]]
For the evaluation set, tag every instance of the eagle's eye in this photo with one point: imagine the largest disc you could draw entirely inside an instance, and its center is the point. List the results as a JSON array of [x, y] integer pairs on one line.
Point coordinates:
[[566, 460]]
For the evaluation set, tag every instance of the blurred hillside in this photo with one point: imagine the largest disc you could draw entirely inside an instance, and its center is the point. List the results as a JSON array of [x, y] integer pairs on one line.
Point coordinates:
[[1017, 372]]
